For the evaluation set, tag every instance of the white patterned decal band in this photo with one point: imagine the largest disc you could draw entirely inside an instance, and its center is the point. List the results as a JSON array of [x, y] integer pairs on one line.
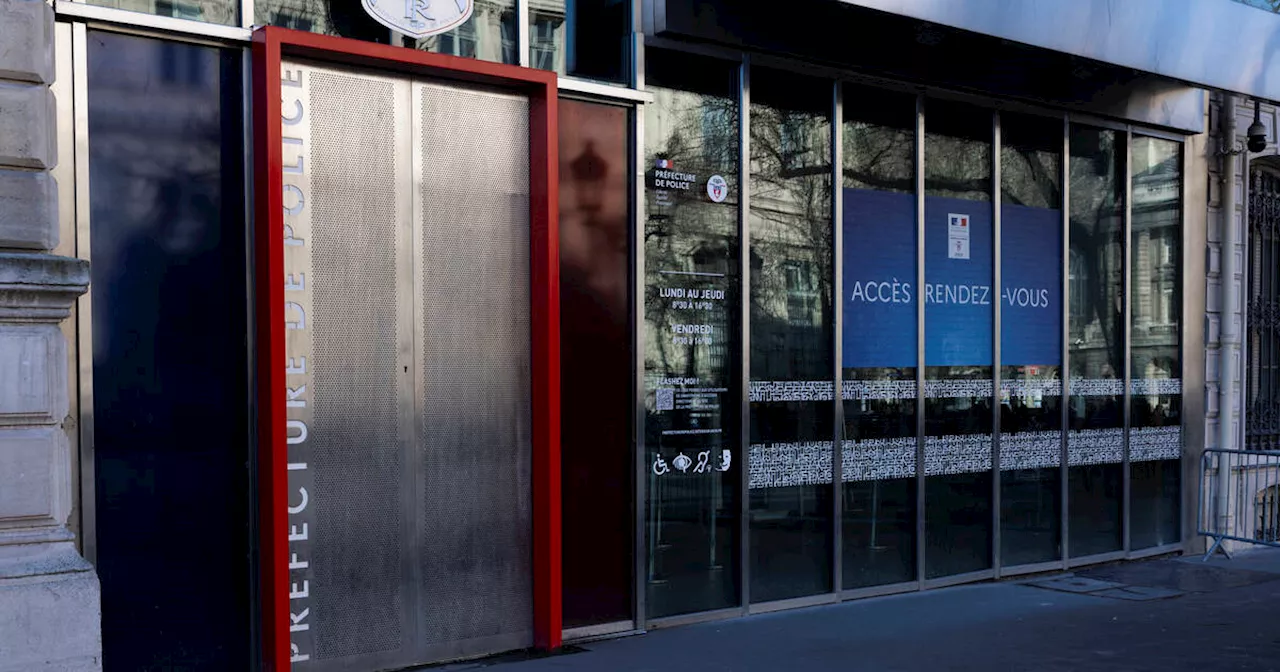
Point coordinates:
[[780, 465], [766, 391]]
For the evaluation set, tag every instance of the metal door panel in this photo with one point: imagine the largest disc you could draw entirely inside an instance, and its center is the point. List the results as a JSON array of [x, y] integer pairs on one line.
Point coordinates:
[[407, 275], [474, 435]]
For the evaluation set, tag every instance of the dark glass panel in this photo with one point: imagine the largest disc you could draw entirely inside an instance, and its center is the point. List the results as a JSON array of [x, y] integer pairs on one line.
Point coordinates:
[[878, 448], [595, 364], [692, 344], [581, 38], [1095, 281], [1155, 431], [172, 441], [1030, 339], [792, 326], [958, 299]]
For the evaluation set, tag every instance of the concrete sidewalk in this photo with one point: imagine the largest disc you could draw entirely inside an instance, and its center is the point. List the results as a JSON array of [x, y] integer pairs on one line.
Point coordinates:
[[1163, 614]]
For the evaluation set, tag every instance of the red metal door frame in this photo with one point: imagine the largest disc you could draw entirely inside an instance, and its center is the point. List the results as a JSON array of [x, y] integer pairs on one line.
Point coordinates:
[[270, 46]]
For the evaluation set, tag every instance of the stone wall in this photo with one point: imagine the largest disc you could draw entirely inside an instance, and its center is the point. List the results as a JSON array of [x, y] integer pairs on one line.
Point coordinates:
[[49, 596], [1213, 282]]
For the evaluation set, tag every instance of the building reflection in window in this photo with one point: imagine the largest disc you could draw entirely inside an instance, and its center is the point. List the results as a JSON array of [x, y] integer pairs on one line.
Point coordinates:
[[489, 35], [692, 345], [792, 328], [327, 17], [1095, 436], [1155, 434], [1030, 339]]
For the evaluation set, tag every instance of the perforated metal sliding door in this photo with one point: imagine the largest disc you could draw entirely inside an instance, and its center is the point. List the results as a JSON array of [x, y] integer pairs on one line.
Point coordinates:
[[407, 359], [474, 433]]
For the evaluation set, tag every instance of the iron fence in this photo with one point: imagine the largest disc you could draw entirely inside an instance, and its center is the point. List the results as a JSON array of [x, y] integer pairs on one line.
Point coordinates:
[[1239, 497]]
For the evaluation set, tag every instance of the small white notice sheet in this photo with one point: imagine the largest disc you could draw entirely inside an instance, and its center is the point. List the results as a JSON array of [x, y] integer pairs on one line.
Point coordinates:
[[957, 236]]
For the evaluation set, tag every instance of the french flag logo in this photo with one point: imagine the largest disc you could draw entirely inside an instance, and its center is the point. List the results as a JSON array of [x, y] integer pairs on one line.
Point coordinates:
[[665, 164]]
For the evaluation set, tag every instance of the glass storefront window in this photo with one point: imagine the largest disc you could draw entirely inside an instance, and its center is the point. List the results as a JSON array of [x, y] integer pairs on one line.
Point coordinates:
[[692, 345], [1155, 416], [1030, 339], [879, 352], [224, 12], [792, 329], [1095, 280], [489, 35], [959, 247], [590, 39], [327, 17]]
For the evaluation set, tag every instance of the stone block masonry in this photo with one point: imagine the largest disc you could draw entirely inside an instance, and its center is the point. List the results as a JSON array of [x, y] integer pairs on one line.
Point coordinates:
[[50, 613]]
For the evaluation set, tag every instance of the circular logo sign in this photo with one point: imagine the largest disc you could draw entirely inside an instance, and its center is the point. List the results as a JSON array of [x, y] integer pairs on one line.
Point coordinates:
[[717, 188]]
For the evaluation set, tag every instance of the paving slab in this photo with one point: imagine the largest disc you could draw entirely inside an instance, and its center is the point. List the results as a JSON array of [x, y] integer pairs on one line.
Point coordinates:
[[1139, 593], [1071, 583]]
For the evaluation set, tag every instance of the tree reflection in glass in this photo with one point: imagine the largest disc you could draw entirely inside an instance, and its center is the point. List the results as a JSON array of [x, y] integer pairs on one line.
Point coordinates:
[[792, 325], [1095, 416], [1155, 434], [1030, 339], [691, 340]]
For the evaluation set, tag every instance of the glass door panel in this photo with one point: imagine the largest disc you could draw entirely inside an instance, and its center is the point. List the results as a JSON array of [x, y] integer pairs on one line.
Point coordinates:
[[1155, 432], [958, 338], [792, 329], [880, 348], [692, 344], [1030, 339], [1095, 278]]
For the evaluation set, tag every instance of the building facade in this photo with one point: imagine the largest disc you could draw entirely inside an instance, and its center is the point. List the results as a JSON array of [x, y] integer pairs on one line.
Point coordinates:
[[329, 348]]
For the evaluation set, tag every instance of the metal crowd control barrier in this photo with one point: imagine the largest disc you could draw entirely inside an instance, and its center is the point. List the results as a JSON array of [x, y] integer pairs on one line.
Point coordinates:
[[1239, 498]]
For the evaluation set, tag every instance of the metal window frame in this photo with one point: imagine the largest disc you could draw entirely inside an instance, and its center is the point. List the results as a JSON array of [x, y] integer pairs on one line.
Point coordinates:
[[921, 521], [636, 438], [997, 278], [84, 304], [837, 337], [744, 335], [1064, 473], [1127, 319]]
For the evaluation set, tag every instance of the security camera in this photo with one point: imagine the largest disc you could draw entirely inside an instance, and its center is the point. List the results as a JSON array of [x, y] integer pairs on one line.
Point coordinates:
[[1257, 132], [1257, 137]]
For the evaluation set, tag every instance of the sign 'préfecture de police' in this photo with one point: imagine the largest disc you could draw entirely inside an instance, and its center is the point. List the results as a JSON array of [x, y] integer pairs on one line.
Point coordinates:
[[299, 416]]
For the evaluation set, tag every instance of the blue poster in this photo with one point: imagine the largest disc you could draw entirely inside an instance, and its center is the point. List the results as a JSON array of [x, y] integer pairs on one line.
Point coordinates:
[[880, 292], [879, 279], [958, 300], [1031, 296]]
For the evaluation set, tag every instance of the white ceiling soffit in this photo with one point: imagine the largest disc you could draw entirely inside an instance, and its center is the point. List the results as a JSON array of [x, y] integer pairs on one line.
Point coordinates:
[[1218, 44]]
